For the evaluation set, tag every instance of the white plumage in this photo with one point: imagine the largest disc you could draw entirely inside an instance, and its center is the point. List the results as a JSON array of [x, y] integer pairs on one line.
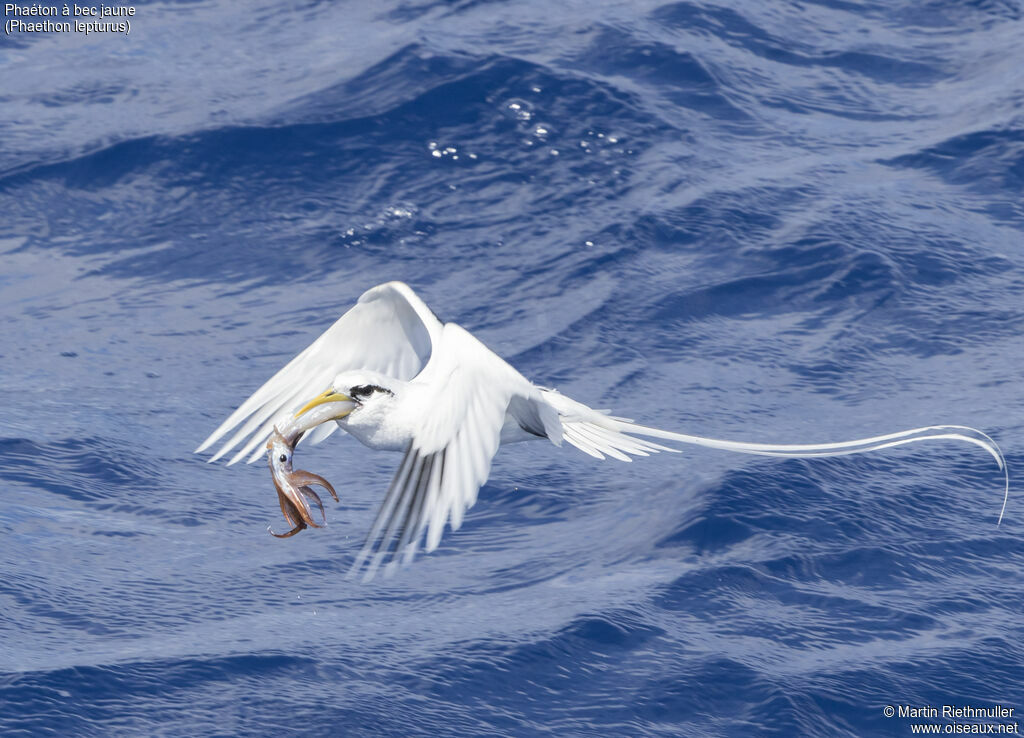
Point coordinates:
[[435, 392]]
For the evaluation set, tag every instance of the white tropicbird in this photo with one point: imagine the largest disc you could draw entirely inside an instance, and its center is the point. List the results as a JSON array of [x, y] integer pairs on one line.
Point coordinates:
[[398, 379]]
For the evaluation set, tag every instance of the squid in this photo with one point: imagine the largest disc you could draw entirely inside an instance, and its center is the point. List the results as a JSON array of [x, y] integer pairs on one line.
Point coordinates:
[[295, 487]]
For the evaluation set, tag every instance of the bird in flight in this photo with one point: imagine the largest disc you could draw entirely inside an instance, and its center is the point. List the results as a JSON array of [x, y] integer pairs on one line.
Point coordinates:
[[395, 377]]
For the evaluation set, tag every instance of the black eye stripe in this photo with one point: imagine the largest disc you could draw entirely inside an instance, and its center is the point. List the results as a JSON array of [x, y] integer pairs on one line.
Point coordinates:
[[365, 390]]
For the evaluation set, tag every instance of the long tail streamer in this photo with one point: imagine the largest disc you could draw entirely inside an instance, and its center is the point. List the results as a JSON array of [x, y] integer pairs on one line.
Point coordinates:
[[845, 448]]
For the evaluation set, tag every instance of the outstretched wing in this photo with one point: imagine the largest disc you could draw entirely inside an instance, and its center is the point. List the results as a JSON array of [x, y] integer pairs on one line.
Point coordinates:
[[389, 330], [459, 402]]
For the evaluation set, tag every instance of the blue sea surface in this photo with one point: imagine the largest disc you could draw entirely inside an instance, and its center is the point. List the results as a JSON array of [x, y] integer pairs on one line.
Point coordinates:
[[783, 222]]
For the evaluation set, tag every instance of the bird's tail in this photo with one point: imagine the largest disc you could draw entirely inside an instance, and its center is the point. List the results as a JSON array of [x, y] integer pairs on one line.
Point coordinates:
[[598, 434]]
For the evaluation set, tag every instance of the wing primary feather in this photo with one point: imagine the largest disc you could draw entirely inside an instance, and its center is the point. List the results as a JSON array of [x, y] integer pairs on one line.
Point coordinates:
[[434, 492], [438, 513], [259, 400], [458, 499], [253, 421], [384, 511], [479, 462], [383, 546], [461, 491], [490, 442], [411, 535], [412, 511], [429, 500]]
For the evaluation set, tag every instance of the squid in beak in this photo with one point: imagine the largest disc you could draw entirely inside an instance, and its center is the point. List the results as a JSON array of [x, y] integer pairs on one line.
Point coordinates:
[[295, 487]]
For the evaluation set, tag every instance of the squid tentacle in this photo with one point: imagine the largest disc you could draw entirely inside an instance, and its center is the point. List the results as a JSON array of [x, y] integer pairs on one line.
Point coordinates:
[[309, 478], [308, 491]]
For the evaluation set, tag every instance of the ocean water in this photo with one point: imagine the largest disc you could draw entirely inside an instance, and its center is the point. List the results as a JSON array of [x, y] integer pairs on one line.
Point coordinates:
[[777, 222]]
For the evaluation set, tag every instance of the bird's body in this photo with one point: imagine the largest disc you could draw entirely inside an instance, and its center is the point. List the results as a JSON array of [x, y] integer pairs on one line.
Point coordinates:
[[399, 379], [388, 420]]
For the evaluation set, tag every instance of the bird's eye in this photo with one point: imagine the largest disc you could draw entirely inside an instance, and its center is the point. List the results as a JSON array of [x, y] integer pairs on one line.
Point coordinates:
[[283, 458]]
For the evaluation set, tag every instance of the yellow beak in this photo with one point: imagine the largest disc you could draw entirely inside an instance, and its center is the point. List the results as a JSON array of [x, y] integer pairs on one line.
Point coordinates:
[[329, 396]]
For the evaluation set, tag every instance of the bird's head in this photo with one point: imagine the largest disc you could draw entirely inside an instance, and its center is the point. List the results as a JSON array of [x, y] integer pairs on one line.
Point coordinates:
[[351, 396]]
